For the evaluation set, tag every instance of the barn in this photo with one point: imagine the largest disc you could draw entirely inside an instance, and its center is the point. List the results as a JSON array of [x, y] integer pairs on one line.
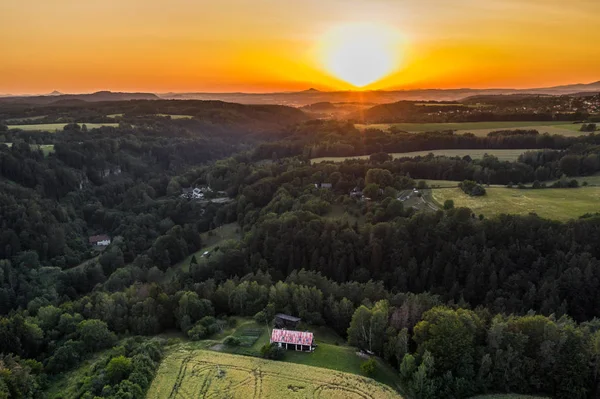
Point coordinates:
[[285, 321], [297, 340]]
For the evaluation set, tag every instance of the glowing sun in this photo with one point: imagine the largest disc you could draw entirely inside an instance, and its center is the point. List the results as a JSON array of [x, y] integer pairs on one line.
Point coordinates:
[[360, 53]]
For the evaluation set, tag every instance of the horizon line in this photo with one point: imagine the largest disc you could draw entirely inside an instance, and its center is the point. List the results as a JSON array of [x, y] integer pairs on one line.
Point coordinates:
[[311, 89]]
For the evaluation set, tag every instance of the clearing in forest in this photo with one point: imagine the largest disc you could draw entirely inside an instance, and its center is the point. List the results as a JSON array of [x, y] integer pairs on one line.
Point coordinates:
[[192, 374], [53, 127], [551, 203], [503, 155], [482, 129]]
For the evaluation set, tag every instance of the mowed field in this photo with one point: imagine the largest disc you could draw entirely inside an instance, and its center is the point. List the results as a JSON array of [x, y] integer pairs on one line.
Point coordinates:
[[206, 374], [551, 203], [482, 128], [503, 155], [52, 127]]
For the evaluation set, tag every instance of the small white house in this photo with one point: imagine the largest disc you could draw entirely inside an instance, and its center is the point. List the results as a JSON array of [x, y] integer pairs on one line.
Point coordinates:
[[192, 193], [101, 240]]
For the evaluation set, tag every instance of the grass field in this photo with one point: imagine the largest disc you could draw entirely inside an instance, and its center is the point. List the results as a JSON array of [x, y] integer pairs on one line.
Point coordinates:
[[52, 127], [207, 374], [209, 241], [508, 396], [176, 116], [503, 155], [63, 385], [482, 128], [212, 239], [46, 148], [551, 203]]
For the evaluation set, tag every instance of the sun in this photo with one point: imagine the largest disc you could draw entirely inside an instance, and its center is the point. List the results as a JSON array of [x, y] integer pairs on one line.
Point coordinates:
[[360, 53]]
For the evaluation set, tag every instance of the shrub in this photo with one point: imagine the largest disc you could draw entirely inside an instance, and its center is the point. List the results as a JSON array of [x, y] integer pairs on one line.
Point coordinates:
[[449, 204], [472, 188], [261, 317], [369, 367], [272, 351], [118, 369], [197, 332]]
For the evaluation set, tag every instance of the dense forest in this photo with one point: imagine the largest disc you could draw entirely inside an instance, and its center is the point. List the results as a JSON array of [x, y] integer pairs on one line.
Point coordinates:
[[483, 109], [458, 304], [327, 138]]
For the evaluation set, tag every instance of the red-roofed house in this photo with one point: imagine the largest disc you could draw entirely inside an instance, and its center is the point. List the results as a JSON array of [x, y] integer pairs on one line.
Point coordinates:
[[100, 240], [297, 340]]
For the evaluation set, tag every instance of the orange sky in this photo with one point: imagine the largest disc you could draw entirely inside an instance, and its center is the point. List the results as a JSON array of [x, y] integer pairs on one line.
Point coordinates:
[[269, 45]]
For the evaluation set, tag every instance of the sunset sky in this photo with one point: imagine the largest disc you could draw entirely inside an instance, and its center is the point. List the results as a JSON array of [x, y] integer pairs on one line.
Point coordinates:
[[273, 45]]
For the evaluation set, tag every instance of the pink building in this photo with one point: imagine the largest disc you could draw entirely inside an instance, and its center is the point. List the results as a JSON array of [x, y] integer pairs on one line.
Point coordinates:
[[297, 340]]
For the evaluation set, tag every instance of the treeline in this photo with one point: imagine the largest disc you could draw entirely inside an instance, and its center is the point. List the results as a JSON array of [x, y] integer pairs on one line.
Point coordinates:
[[336, 139], [440, 352], [484, 109], [208, 116], [457, 353]]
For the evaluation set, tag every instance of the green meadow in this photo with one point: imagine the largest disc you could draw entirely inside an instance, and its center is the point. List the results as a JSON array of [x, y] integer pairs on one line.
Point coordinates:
[[53, 127], [481, 128], [551, 203], [503, 155]]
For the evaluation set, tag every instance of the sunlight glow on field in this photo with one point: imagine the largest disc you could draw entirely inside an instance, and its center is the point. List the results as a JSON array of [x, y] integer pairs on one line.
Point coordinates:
[[361, 53]]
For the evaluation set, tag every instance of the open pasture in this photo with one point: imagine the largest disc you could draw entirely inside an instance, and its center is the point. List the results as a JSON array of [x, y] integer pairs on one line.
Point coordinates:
[[551, 203], [53, 127], [503, 155], [481, 128], [176, 116], [192, 374]]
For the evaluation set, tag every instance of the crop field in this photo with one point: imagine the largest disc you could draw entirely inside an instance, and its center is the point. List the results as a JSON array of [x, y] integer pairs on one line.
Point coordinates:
[[551, 203], [52, 127], [503, 155], [482, 128], [205, 374]]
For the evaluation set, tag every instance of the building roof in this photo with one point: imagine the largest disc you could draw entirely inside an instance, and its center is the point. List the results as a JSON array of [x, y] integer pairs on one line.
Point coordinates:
[[292, 337], [98, 238], [287, 317]]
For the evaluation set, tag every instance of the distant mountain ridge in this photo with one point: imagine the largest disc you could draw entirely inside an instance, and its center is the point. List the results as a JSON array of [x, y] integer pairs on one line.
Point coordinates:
[[99, 96], [311, 96]]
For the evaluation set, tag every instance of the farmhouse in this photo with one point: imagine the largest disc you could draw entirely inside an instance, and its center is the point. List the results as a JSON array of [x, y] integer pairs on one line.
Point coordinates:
[[324, 185], [101, 240], [356, 193], [296, 340], [192, 193]]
